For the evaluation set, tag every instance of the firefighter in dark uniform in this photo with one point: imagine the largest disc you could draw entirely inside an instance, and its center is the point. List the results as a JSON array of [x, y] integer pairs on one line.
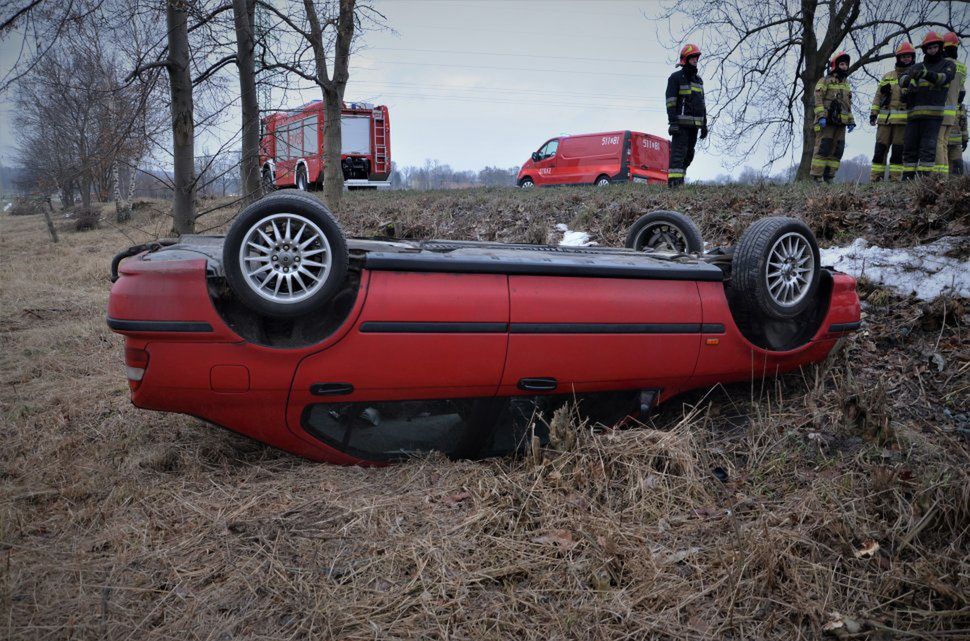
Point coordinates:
[[890, 114], [833, 115], [686, 113], [925, 87], [955, 118]]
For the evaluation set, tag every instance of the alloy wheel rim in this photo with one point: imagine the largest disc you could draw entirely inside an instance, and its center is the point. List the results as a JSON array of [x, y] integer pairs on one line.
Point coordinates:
[[788, 271], [662, 236], [285, 258]]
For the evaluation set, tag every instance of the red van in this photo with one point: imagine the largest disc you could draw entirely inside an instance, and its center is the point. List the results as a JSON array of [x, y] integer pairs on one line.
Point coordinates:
[[598, 159]]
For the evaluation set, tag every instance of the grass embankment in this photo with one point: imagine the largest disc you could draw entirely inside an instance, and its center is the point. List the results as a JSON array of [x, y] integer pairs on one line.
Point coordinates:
[[122, 524]]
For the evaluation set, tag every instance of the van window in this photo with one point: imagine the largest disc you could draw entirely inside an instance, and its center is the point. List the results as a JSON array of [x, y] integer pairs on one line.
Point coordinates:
[[549, 149]]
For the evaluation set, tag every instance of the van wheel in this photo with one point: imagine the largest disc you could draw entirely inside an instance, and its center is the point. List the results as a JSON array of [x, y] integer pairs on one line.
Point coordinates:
[[302, 183], [665, 231], [285, 255], [268, 184], [775, 269], [603, 181], [526, 183]]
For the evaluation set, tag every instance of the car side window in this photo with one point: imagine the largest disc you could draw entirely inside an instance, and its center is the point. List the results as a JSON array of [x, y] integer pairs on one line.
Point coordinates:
[[549, 149]]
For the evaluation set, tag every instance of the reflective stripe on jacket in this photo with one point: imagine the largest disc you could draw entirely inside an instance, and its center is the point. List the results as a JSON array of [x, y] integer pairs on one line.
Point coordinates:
[[685, 99], [955, 95], [887, 105], [925, 97], [833, 94]]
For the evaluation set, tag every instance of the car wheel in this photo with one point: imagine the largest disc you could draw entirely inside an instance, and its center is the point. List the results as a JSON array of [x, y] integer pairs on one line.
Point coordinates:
[[285, 255], [301, 179], [775, 269], [665, 231], [603, 181], [526, 183]]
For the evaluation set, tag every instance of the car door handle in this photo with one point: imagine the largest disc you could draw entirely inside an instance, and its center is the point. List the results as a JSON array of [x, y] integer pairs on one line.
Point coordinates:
[[331, 389], [538, 384]]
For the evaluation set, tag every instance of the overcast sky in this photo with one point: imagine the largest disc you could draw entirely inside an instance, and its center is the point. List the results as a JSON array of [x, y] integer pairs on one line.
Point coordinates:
[[471, 83]]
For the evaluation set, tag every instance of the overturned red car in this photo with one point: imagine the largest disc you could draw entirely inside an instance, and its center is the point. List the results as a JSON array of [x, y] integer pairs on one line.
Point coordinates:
[[366, 351]]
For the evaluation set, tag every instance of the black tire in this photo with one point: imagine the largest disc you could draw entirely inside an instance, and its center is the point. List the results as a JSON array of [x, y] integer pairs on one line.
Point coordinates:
[[669, 230], [527, 183], [760, 291], [297, 206], [302, 181], [602, 181]]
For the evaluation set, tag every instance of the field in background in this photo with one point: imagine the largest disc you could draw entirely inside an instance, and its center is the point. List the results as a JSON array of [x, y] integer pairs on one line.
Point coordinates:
[[837, 497]]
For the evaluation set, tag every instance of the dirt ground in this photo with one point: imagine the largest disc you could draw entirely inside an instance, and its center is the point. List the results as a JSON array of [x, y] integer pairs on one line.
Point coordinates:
[[834, 502]]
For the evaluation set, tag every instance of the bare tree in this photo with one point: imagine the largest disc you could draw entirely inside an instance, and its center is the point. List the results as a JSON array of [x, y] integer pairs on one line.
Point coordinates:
[[76, 120], [244, 17], [326, 31], [187, 67], [767, 55]]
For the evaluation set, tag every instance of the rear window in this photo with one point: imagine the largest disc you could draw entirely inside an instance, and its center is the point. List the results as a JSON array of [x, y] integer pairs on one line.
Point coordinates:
[[460, 428], [385, 431]]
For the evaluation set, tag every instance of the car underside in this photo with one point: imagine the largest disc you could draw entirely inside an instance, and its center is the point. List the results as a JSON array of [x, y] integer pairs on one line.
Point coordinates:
[[462, 347]]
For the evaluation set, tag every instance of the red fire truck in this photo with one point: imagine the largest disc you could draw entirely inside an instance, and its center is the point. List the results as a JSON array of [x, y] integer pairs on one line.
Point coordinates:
[[291, 149]]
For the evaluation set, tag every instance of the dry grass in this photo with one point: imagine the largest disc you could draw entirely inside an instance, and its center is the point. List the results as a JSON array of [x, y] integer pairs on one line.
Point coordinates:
[[122, 524]]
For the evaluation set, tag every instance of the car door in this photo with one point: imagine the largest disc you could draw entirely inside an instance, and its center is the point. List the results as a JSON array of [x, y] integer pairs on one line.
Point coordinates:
[[423, 359], [545, 163], [588, 334]]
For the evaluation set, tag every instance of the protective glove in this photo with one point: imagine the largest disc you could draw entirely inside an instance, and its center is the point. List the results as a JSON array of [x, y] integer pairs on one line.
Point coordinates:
[[822, 121], [964, 145], [873, 118], [850, 128], [673, 129], [703, 132], [920, 74]]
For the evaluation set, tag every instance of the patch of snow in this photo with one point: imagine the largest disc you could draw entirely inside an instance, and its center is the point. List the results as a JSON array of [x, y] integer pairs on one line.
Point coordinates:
[[573, 238], [923, 270], [8, 206]]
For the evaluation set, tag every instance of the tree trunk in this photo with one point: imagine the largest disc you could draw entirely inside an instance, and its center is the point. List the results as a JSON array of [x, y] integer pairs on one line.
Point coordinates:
[[808, 125], [183, 127], [86, 190], [243, 14], [67, 195], [333, 175]]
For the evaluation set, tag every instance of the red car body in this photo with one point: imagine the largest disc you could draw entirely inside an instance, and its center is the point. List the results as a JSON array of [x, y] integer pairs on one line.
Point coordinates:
[[444, 321], [294, 139], [618, 156]]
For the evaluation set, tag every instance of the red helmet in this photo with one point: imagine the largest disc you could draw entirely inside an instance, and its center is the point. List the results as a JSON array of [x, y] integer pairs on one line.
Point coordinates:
[[951, 40], [689, 51], [834, 61], [930, 38], [904, 48]]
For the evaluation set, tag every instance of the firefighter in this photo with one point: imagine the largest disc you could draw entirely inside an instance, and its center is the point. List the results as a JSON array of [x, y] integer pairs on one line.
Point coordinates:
[[889, 112], [833, 115], [955, 116], [686, 113], [925, 87]]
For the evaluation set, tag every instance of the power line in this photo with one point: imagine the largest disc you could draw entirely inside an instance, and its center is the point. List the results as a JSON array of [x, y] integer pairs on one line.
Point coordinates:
[[521, 69], [539, 92], [518, 55], [478, 100]]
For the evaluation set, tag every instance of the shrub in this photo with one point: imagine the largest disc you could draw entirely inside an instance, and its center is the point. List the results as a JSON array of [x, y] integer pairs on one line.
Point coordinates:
[[86, 218], [26, 207]]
